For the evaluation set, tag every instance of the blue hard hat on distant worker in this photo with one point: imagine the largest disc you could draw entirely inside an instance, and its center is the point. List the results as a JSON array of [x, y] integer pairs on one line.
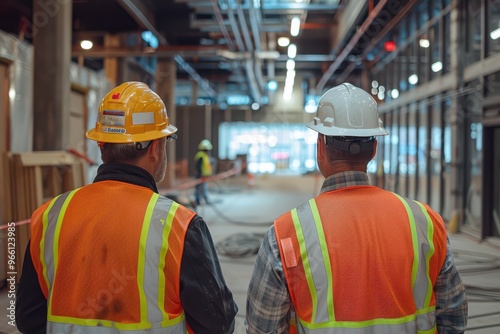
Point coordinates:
[[129, 113], [347, 111], [205, 144]]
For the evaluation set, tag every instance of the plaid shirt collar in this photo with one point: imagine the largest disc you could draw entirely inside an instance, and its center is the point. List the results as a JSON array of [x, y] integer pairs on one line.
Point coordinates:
[[345, 179]]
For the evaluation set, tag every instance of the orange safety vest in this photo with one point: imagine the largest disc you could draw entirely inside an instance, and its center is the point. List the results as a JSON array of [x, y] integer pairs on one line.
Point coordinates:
[[362, 260], [106, 269], [206, 165]]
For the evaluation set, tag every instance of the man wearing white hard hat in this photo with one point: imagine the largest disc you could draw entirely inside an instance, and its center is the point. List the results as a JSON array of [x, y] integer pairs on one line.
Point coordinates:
[[355, 259]]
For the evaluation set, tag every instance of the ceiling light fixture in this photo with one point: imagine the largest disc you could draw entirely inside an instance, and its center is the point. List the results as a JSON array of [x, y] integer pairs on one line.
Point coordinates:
[[424, 43], [413, 79], [283, 41], [437, 66], [86, 44], [295, 26], [292, 51], [495, 34]]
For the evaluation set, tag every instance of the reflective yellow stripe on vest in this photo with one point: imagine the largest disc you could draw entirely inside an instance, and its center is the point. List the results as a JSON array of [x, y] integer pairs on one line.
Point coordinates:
[[312, 244], [150, 280]]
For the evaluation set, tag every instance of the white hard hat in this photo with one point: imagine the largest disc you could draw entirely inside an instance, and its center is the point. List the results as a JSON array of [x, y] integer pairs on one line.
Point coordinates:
[[205, 144], [347, 110]]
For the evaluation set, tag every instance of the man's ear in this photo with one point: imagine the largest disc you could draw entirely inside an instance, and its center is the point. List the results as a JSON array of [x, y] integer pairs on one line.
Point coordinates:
[[375, 144], [154, 150], [321, 145]]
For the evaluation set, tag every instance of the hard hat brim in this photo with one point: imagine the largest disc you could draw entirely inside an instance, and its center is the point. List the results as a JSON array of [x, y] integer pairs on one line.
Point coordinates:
[[127, 138], [341, 132]]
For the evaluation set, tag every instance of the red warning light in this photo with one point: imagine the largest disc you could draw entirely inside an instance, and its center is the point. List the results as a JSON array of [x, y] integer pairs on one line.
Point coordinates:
[[390, 46], [115, 96]]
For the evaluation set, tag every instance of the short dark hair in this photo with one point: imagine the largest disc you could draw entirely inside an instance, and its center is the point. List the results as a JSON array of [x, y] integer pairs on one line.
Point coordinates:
[[335, 154], [113, 153]]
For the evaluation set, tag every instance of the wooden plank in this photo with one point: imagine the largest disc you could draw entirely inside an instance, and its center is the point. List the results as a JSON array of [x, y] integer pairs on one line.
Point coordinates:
[[38, 187], [7, 184], [18, 187], [46, 158]]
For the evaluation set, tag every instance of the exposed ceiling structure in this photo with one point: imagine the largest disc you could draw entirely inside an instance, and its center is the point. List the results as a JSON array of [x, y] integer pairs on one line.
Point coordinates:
[[228, 47]]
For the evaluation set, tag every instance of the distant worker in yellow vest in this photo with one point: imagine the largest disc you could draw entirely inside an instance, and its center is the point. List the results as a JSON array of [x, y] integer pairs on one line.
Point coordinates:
[[115, 256], [356, 259], [203, 166]]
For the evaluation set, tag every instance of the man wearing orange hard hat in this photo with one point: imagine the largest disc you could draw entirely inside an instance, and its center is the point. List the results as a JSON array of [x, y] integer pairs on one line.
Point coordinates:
[[115, 256]]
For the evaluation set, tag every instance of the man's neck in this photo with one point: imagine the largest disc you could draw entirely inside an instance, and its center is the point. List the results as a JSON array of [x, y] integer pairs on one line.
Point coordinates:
[[340, 166]]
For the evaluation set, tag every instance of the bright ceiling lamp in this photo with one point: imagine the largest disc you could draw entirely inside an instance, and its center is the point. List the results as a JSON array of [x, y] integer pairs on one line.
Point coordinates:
[[290, 64], [437, 66], [295, 26], [413, 79], [424, 43], [86, 44], [283, 41], [495, 34], [292, 51]]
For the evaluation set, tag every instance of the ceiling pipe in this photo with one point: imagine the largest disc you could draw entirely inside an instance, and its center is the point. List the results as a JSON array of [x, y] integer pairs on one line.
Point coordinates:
[[225, 33], [248, 63], [390, 25], [350, 45], [244, 26], [234, 27], [257, 63], [255, 23], [222, 26], [132, 7]]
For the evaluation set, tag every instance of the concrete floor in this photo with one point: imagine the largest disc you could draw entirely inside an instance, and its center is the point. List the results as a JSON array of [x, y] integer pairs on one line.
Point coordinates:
[[240, 214]]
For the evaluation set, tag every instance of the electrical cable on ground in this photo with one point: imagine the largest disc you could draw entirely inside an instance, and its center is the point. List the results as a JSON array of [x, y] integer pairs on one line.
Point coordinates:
[[240, 245], [478, 263]]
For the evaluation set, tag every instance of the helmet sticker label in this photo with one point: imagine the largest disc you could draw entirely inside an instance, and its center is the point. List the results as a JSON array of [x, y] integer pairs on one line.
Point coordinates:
[[112, 130], [113, 118], [143, 118]]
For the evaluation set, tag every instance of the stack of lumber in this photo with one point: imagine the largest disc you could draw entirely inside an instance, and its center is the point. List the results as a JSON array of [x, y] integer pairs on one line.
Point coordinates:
[[32, 178]]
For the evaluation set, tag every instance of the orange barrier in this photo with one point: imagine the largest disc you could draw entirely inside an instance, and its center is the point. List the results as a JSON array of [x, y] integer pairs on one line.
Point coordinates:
[[82, 156], [183, 186], [19, 223]]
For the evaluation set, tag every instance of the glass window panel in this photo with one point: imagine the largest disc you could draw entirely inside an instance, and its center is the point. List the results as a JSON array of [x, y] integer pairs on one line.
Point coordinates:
[[423, 13], [423, 51], [447, 160], [271, 148], [435, 8], [387, 150], [412, 151], [435, 50], [492, 85], [394, 134], [473, 107], [422, 153], [403, 65], [435, 154], [446, 44], [403, 152], [493, 30], [473, 25]]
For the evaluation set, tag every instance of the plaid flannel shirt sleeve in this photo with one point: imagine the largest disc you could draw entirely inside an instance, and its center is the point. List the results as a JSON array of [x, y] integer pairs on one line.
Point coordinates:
[[451, 301], [268, 303]]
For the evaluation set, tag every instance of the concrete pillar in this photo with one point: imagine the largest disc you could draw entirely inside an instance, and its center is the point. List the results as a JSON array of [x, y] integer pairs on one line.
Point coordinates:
[[52, 84], [456, 120], [165, 82]]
